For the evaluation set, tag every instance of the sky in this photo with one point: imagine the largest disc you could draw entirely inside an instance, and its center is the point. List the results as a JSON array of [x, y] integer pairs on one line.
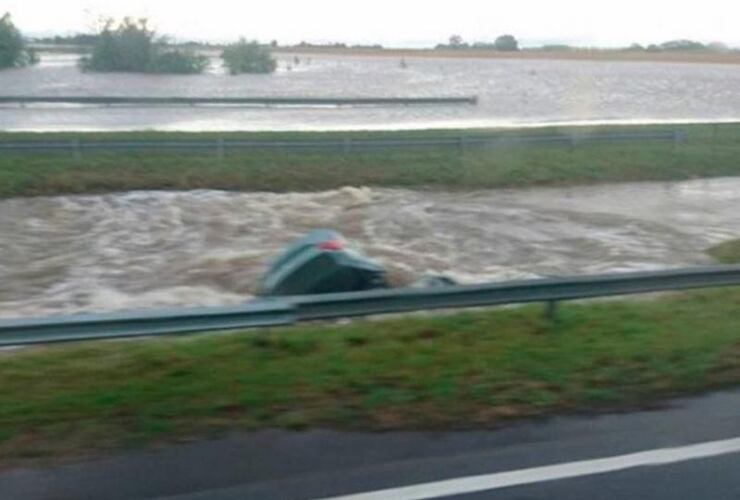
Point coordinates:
[[399, 23]]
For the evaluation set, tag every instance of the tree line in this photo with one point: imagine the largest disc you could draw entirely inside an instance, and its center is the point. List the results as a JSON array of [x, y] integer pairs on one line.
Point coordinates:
[[508, 43], [130, 45], [504, 43]]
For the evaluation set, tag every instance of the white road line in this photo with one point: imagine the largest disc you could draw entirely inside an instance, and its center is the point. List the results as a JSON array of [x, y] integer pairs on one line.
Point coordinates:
[[486, 482]]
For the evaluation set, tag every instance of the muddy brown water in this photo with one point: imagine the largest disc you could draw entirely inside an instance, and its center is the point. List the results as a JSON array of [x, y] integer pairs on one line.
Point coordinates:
[[70, 254]]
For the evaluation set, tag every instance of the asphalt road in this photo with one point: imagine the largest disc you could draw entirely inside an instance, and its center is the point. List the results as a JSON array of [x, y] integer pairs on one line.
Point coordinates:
[[325, 464]]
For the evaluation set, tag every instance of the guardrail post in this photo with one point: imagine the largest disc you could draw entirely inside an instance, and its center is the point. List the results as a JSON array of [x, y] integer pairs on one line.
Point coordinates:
[[551, 310], [220, 149], [76, 150], [677, 139]]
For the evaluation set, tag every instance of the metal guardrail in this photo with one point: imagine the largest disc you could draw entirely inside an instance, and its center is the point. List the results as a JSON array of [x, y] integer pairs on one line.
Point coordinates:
[[291, 310], [318, 307], [221, 146], [258, 313], [237, 101]]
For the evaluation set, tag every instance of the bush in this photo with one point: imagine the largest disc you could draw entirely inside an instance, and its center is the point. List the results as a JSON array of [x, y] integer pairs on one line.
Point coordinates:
[[133, 47], [13, 50], [179, 61], [248, 57]]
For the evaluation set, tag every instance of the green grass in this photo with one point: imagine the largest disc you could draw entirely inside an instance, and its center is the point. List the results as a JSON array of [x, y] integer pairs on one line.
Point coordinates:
[[709, 151], [727, 252], [467, 370]]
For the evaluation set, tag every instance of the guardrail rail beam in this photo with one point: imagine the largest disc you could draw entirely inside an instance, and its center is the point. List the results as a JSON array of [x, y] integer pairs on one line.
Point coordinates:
[[289, 310]]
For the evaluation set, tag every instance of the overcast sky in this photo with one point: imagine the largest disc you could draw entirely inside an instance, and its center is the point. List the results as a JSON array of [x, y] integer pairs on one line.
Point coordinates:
[[399, 22]]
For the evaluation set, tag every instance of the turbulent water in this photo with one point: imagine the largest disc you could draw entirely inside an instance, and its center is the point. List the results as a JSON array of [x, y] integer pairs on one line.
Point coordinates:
[[511, 92], [147, 249]]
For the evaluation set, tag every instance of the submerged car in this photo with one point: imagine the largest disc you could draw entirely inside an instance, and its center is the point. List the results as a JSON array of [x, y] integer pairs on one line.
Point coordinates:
[[323, 262]]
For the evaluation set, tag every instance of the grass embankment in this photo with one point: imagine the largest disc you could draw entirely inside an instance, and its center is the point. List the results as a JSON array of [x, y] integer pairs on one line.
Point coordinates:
[[727, 252], [709, 151], [473, 369]]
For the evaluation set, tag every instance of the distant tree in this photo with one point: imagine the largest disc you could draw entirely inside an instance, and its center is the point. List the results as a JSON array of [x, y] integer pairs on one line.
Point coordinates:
[[718, 47], [78, 39], [332, 45], [652, 48], [454, 43], [248, 57], [457, 42], [636, 47], [274, 44], [682, 45], [506, 43], [557, 48], [132, 47], [13, 50]]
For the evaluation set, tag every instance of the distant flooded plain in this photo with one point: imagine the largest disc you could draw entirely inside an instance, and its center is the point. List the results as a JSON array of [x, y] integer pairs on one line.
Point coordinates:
[[511, 93]]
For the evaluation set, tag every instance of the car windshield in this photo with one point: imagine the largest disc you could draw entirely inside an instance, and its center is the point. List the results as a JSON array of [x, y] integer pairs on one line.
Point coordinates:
[[337, 249]]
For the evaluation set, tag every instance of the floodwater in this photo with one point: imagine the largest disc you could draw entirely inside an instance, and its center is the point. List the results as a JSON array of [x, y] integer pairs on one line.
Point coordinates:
[[511, 93], [145, 249]]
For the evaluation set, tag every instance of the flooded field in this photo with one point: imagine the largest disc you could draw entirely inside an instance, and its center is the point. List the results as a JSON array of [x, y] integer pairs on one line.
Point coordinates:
[[511, 92], [148, 249]]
